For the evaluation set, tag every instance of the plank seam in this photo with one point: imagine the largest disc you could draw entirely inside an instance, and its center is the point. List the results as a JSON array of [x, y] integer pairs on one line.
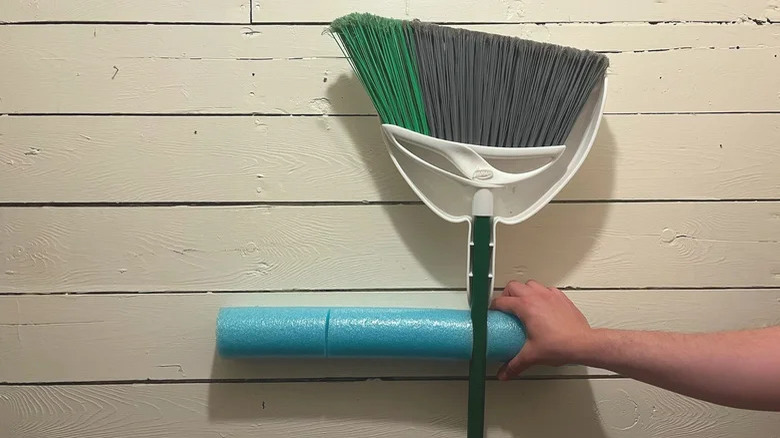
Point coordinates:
[[298, 380], [169, 204], [740, 22], [163, 114], [384, 290]]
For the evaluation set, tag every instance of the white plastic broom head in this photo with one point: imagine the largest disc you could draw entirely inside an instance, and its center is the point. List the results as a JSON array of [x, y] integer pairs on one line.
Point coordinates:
[[446, 175]]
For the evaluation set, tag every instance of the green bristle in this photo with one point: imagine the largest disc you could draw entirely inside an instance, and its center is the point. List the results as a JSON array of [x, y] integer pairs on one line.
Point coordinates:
[[381, 51]]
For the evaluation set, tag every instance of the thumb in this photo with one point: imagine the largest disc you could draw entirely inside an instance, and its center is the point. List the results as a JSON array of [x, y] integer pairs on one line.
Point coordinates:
[[517, 365]]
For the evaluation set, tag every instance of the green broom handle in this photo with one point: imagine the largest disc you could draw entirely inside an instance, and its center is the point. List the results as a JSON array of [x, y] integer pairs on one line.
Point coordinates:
[[480, 294]]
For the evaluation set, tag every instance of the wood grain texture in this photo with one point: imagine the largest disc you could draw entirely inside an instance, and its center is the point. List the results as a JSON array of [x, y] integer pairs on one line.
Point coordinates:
[[520, 11], [392, 246], [614, 408], [71, 41], [166, 159], [294, 70], [246, 76], [161, 336], [150, 11]]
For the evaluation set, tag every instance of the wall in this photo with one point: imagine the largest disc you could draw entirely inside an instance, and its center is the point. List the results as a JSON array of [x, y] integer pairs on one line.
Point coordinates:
[[162, 158]]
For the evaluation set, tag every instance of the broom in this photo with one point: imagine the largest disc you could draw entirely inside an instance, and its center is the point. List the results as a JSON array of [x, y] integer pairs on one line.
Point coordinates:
[[474, 88]]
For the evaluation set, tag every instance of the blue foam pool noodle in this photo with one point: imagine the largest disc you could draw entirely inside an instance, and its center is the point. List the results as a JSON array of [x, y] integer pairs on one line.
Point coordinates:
[[272, 331], [361, 332]]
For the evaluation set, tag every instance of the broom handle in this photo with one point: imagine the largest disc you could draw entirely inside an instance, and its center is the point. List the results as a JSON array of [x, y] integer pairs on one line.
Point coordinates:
[[480, 293]]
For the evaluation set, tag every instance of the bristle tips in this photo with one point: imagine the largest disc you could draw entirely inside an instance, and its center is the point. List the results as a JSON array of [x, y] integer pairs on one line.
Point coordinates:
[[361, 19]]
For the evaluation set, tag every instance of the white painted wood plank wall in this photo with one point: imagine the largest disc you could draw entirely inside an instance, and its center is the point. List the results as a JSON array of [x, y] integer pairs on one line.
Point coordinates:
[[150, 174], [83, 69], [286, 159], [159, 344]]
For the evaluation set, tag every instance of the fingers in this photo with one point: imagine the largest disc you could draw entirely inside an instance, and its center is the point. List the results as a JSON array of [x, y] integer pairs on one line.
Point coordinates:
[[511, 288], [533, 284], [514, 289], [517, 289], [517, 296], [509, 305], [516, 366]]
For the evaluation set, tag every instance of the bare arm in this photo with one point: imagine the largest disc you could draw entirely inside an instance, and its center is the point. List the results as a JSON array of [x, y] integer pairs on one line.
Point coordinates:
[[739, 369]]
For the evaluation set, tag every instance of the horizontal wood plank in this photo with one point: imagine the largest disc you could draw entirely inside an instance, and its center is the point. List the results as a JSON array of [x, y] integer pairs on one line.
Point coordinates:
[[519, 11], [292, 70], [148, 11], [435, 10], [138, 337], [268, 159], [592, 245], [613, 408], [70, 41]]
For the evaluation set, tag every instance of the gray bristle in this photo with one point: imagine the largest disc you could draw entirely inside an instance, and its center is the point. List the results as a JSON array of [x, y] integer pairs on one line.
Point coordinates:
[[495, 90]]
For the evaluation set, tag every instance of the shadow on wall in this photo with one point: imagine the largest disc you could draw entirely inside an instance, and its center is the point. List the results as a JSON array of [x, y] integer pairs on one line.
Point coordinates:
[[549, 408], [547, 247], [338, 368]]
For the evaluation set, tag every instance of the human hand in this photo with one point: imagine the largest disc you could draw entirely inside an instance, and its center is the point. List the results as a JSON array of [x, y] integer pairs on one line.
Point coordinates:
[[556, 330]]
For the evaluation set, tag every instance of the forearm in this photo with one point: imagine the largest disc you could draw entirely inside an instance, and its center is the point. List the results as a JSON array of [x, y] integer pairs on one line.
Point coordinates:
[[740, 369]]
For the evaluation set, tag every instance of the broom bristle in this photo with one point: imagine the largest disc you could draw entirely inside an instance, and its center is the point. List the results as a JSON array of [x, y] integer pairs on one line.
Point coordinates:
[[381, 53], [467, 86]]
